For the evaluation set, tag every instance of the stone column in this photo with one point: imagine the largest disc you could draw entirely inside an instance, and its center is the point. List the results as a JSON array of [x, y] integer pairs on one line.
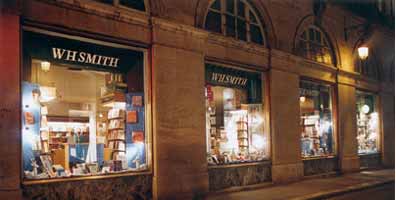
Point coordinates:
[[180, 166], [10, 133], [347, 131], [285, 129], [387, 104]]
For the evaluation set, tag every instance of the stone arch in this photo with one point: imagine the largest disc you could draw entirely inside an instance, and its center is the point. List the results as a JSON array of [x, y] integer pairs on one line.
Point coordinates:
[[308, 21], [269, 32]]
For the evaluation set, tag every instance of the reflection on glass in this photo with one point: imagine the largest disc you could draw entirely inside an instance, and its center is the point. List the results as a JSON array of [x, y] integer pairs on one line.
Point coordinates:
[[367, 123], [235, 128], [80, 122], [316, 119]]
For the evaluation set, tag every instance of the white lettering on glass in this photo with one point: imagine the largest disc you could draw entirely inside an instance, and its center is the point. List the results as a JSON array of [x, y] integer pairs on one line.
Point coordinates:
[[229, 79], [84, 57]]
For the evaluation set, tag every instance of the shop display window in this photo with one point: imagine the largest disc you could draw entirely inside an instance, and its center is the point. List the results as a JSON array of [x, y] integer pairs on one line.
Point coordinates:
[[316, 119], [234, 116], [81, 118], [367, 123]]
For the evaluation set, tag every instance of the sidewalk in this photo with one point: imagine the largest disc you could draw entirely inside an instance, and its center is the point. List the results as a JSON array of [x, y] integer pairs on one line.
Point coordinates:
[[320, 188]]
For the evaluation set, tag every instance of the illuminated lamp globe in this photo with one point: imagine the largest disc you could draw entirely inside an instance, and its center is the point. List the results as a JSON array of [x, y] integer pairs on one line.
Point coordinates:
[[363, 52], [302, 99], [365, 109]]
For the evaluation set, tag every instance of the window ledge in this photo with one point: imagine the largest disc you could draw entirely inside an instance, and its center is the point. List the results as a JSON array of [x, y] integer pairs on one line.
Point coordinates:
[[370, 154], [121, 13], [264, 162], [319, 157], [81, 178]]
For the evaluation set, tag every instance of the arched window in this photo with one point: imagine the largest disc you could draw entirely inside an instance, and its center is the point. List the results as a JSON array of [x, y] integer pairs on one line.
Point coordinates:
[[313, 44], [235, 18]]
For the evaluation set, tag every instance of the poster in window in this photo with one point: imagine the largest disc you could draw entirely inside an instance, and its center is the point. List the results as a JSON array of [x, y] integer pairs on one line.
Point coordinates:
[[137, 136], [132, 116], [137, 101]]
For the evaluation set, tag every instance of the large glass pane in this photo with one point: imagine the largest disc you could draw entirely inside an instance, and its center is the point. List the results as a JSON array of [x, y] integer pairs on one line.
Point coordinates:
[[230, 26], [255, 34], [234, 117], [241, 29], [367, 123], [316, 119], [216, 5], [311, 34], [213, 22], [230, 6], [241, 9], [83, 113], [135, 4], [318, 37]]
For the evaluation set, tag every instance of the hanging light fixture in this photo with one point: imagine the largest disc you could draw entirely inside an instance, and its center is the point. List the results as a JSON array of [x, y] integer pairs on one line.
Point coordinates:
[[45, 66], [363, 52], [302, 99]]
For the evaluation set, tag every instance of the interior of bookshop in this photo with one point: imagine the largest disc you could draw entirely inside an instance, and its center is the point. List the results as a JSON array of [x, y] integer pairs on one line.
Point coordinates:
[[81, 121], [234, 116], [367, 123], [316, 119]]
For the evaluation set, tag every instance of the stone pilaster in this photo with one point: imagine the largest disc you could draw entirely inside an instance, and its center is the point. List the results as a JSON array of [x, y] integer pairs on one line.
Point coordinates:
[[387, 105], [10, 133], [180, 166], [285, 135], [347, 131]]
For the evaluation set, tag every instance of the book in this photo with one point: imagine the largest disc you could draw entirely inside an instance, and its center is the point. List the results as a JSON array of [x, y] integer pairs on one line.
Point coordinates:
[[132, 116]]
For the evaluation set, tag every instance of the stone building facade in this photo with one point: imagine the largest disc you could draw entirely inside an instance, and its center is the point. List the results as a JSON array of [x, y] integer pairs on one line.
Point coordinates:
[[178, 46]]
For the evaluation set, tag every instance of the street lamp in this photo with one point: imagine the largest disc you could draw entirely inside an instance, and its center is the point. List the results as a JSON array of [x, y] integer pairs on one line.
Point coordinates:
[[363, 52]]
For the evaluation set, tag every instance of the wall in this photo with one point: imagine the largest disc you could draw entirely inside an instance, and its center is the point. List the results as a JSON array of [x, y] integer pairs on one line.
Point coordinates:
[[10, 142], [179, 48], [129, 187], [180, 168]]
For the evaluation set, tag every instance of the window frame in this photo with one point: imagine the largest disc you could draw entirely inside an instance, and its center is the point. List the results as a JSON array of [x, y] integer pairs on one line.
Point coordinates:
[[147, 108], [377, 108], [334, 117], [308, 44], [248, 8], [266, 114]]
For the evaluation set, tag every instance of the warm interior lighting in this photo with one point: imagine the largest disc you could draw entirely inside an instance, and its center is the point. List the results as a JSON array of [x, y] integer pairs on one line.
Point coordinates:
[[47, 94], [302, 99], [115, 104], [44, 110], [363, 52], [45, 66], [365, 109]]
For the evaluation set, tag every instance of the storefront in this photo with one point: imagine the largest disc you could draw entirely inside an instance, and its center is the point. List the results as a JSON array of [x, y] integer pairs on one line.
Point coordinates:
[[368, 129], [318, 147], [84, 111], [237, 136]]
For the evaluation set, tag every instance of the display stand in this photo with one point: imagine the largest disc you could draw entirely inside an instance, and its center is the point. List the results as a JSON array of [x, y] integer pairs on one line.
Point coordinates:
[[116, 132], [243, 139]]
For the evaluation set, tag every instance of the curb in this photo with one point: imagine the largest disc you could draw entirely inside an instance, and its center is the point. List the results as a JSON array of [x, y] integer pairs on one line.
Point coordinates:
[[349, 189]]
